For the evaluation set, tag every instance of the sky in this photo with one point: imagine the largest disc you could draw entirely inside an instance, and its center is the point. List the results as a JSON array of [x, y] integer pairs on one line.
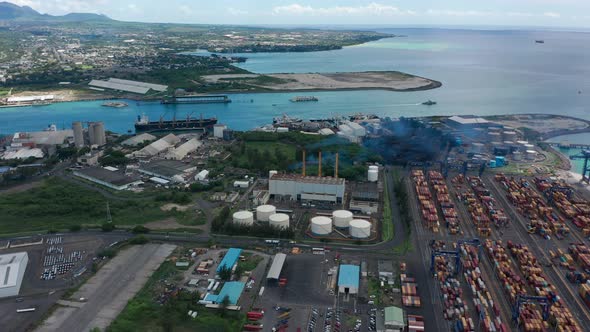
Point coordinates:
[[545, 13]]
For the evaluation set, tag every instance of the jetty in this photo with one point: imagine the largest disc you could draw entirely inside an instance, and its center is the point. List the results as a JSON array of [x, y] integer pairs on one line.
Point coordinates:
[[197, 99]]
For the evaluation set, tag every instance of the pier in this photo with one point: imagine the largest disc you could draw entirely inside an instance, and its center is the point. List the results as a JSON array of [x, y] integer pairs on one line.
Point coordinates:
[[568, 145], [197, 99]]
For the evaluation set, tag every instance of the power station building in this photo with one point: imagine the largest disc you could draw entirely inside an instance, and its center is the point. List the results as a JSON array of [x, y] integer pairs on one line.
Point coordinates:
[[12, 271], [307, 188]]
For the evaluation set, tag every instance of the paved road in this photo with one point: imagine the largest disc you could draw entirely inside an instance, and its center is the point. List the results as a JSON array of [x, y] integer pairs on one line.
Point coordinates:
[[109, 290]]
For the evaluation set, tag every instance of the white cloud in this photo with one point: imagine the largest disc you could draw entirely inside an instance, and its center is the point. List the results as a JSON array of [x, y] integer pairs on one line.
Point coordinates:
[[457, 13], [372, 8], [552, 15], [236, 12], [186, 10]]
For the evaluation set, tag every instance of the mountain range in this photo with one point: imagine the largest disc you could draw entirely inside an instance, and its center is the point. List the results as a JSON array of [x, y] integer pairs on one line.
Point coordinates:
[[12, 12]]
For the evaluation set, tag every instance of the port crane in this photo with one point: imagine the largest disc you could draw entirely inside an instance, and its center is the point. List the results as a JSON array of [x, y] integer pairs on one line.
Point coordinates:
[[455, 254], [521, 300], [585, 155]]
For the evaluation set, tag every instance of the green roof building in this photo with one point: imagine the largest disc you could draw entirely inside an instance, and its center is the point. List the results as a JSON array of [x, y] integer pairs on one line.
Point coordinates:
[[394, 319]]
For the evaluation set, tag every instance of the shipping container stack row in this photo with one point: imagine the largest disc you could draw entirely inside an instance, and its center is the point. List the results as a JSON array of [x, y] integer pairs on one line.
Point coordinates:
[[450, 215], [455, 308], [486, 306], [415, 323], [480, 220], [530, 317], [579, 253], [560, 315], [585, 293], [578, 211], [491, 207], [542, 218], [427, 206], [410, 296]]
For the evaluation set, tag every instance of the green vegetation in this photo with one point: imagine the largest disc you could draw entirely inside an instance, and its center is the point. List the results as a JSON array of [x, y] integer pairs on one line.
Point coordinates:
[[108, 253], [261, 152], [140, 239], [401, 194], [144, 313], [250, 263], [374, 287], [113, 158], [59, 205], [387, 221], [191, 218]]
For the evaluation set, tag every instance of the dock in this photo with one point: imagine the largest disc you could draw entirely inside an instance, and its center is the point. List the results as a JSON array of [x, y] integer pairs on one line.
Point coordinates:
[[197, 99], [567, 145]]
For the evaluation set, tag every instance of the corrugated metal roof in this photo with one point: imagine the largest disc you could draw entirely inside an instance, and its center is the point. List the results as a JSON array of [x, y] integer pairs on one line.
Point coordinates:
[[230, 258], [349, 276], [277, 266], [119, 86], [9, 268], [233, 290], [156, 87], [308, 179], [394, 315]]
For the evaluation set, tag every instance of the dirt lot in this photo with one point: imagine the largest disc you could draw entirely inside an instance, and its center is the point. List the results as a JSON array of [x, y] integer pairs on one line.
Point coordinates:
[[394, 81]]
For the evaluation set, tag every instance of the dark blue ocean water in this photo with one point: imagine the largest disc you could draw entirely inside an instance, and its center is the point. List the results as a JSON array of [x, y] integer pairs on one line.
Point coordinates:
[[483, 72]]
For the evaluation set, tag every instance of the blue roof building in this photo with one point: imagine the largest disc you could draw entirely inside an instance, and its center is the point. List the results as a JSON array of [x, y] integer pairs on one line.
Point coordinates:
[[349, 279], [233, 290], [230, 259]]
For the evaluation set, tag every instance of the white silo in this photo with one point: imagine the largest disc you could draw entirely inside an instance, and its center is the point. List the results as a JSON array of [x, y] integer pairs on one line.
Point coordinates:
[[271, 173], [263, 212], [360, 229], [100, 134], [531, 154], [342, 218], [279, 220], [373, 175], [321, 225], [78, 134], [245, 218]]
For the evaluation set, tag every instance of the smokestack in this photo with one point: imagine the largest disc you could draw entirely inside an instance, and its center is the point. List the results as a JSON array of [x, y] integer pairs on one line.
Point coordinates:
[[320, 164], [336, 166], [303, 168]]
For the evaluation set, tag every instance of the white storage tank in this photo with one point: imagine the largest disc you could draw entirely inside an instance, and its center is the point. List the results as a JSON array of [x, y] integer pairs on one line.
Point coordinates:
[[510, 135], [271, 173], [342, 218], [522, 142], [531, 154], [279, 220], [321, 225], [373, 175], [529, 147], [360, 229], [517, 155], [374, 167], [263, 212], [245, 218]]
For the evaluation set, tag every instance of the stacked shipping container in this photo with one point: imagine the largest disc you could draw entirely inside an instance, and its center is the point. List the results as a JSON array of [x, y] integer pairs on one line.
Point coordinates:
[[485, 305], [427, 206], [542, 219], [560, 316], [443, 198], [578, 211], [491, 207], [455, 307]]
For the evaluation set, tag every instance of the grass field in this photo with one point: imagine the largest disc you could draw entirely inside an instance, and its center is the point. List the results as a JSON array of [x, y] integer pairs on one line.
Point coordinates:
[[143, 313], [387, 221], [58, 205]]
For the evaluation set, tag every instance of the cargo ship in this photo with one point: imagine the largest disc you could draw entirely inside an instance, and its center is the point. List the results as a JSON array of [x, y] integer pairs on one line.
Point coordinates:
[[300, 99], [143, 125]]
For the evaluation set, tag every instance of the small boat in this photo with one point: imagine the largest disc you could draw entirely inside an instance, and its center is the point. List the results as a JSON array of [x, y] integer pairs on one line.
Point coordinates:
[[299, 99], [540, 41], [429, 103], [115, 104]]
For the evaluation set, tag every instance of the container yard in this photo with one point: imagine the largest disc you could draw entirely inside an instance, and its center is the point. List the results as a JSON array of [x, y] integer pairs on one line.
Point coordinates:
[[507, 286]]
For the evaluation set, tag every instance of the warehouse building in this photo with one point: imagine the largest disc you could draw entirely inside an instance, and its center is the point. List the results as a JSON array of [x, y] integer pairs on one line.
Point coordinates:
[[232, 290], [171, 170], [127, 86], [139, 139], [394, 319], [349, 279], [274, 273], [385, 268], [12, 271], [109, 178], [230, 259], [160, 146], [467, 122], [307, 188], [183, 150]]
